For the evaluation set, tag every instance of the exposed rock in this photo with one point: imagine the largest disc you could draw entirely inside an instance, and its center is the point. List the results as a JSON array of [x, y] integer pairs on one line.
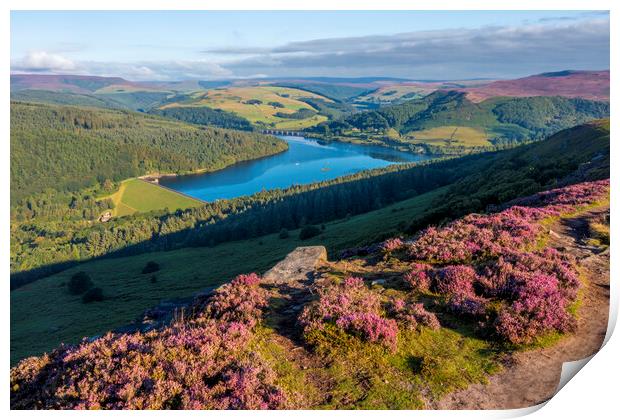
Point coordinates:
[[298, 266]]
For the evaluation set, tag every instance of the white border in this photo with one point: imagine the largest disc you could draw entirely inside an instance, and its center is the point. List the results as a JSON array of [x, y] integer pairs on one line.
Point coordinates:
[[594, 392]]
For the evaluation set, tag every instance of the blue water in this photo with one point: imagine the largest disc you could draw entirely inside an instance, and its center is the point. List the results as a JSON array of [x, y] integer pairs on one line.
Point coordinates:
[[306, 161]]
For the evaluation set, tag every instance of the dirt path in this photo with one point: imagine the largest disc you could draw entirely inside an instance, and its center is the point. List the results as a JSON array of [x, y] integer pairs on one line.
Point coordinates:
[[531, 377]]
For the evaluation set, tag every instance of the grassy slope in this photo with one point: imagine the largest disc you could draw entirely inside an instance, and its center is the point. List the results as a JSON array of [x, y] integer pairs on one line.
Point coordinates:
[[392, 93], [429, 121], [43, 314], [113, 97], [65, 98], [135, 195], [451, 136], [232, 100]]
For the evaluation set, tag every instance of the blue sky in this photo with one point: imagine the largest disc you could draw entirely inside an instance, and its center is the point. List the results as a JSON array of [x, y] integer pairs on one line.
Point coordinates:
[[170, 45]]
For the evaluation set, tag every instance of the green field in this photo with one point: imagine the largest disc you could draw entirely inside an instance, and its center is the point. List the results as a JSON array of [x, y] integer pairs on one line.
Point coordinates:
[[451, 136], [135, 195], [43, 314], [234, 99]]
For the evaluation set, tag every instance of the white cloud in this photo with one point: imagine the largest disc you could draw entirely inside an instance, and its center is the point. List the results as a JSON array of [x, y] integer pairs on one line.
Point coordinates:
[[498, 51], [44, 61]]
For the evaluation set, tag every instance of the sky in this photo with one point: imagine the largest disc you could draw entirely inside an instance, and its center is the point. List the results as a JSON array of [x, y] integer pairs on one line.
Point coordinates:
[[213, 45]]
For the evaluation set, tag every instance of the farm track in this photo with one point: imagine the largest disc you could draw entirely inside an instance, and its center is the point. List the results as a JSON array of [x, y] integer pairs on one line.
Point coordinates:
[[531, 377]]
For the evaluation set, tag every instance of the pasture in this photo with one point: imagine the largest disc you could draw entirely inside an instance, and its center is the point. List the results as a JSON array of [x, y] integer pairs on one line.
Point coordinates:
[[135, 195], [450, 136]]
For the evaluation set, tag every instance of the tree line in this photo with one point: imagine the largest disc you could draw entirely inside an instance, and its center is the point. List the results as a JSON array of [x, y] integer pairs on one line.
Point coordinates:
[[475, 181], [70, 148]]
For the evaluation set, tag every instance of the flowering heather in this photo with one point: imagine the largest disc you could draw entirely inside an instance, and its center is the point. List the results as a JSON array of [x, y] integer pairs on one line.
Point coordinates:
[[413, 314], [538, 308], [391, 245], [468, 305], [249, 386], [455, 279], [475, 237], [566, 198], [353, 307], [371, 327], [503, 276], [491, 257], [203, 363], [418, 278], [241, 300]]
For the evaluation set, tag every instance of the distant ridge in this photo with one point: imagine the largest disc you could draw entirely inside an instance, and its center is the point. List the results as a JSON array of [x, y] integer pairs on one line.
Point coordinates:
[[586, 84], [70, 83], [592, 85]]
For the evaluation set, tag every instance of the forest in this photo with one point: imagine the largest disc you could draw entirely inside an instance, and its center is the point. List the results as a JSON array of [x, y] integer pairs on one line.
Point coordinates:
[[205, 116], [67, 149], [40, 248]]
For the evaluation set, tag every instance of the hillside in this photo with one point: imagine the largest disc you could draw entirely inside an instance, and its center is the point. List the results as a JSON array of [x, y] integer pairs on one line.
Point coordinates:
[[409, 200], [400, 325], [592, 85], [56, 245], [395, 93], [64, 98], [338, 91], [105, 92], [269, 107], [65, 83], [70, 148], [449, 123]]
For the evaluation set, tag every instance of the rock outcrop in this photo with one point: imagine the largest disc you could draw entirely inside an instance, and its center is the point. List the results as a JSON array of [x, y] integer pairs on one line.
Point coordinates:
[[298, 266]]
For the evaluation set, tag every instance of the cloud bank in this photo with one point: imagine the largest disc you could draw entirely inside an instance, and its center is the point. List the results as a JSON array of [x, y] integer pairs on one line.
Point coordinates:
[[445, 54], [496, 52], [42, 62]]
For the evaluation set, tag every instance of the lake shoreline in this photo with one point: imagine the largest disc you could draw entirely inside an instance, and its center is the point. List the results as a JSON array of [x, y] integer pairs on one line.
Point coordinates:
[[154, 178], [307, 160]]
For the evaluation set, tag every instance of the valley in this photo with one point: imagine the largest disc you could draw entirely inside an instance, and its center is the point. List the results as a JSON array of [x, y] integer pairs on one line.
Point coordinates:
[[306, 161], [460, 186], [145, 217]]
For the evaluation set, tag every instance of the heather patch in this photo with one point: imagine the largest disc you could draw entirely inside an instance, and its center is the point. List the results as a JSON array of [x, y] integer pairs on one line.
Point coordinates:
[[241, 300], [411, 314], [483, 259], [354, 308], [204, 362], [539, 307], [385, 346], [390, 246], [418, 278]]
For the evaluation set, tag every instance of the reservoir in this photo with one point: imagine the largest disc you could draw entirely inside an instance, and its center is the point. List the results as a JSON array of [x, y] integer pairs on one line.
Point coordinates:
[[306, 161]]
